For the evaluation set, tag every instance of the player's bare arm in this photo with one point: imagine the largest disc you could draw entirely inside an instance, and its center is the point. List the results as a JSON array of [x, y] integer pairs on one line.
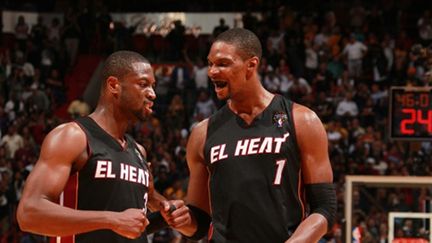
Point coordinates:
[[63, 150], [198, 194], [316, 172], [198, 186]]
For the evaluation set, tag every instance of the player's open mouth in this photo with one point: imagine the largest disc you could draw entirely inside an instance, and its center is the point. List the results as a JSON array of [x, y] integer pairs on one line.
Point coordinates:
[[220, 84], [148, 106]]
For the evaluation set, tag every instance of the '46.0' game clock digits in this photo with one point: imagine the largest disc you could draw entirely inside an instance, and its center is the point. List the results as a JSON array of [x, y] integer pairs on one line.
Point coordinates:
[[411, 113]]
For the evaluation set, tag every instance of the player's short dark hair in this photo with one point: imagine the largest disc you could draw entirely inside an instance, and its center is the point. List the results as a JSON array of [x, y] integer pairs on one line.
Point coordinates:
[[243, 39], [119, 63]]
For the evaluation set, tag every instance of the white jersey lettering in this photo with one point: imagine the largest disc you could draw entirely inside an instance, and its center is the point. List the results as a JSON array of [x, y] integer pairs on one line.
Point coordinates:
[[124, 171], [104, 169], [266, 145], [217, 153], [241, 148], [132, 174], [279, 142], [253, 145]]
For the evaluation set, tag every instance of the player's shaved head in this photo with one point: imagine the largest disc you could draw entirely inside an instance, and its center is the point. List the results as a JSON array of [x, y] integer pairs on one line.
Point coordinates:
[[119, 63], [245, 40]]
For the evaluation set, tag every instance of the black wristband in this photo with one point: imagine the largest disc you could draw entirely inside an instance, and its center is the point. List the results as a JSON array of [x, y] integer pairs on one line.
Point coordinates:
[[157, 222], [203, 220]]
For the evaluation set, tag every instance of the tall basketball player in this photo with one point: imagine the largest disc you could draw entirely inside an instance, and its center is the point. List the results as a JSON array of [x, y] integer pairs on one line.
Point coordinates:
[[259, 167]]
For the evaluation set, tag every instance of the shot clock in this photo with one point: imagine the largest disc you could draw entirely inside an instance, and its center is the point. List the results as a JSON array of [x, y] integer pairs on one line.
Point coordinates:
[[411, 113]]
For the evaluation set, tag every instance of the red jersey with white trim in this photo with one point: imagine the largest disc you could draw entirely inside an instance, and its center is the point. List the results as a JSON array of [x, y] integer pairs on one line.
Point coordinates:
[[255, 178]]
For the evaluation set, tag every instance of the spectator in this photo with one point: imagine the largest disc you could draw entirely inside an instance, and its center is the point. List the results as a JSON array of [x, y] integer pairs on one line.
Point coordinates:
[[48, 60], [347, 83], [283, 68], [375, 60], [21, 32], [347, 107], [322, 78], [355, 51], [5, 69], [424, 25], [12, 142], [357, 14], [204, 105], [180, 79], [334, 135], [388, 47], [38, 101], [55, 85], [324, 107], [162, 89], [200, 75], [275, 46], [176, 38], [78, 108], [14, 107], [175, 117], [298, 88], [71, 37], [54, 31], [272, 81], [311, 62], [220, 28], [39, 32]]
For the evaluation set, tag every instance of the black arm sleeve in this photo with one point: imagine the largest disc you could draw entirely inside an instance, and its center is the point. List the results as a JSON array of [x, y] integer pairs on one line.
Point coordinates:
[[322, 200]]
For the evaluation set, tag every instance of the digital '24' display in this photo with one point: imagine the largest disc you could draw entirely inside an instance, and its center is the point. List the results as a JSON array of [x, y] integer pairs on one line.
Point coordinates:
[[411, 113]]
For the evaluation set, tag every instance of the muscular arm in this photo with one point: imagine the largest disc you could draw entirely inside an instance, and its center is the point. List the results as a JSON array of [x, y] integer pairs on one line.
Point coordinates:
[[37, 210], [316, 168], [198, 194]]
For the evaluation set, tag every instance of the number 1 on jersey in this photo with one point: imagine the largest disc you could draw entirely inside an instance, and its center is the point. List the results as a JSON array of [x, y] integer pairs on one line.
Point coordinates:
[[278, 177]]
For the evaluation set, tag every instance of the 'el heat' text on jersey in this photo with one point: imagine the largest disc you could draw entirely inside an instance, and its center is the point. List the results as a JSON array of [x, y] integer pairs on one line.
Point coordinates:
[[104, 169], [249, 146]]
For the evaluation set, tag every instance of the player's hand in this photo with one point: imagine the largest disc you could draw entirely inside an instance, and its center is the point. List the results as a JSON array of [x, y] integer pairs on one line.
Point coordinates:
[[130, 223], [176, 213]]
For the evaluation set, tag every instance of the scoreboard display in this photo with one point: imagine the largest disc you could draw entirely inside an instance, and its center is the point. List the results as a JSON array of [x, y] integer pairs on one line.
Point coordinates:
[[411, 113]]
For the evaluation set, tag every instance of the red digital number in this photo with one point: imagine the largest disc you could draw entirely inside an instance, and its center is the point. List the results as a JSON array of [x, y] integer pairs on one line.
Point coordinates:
[[409, 121], [426, 121], [406, 100], [424, 100]]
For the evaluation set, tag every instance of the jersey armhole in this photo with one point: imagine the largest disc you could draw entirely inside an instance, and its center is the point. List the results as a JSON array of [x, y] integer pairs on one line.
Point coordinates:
[[204, 161], [89, 151], [290, 109]]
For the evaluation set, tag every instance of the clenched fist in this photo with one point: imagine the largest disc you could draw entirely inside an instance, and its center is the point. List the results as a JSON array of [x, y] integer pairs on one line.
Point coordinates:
[[130, 223], [175, 213]]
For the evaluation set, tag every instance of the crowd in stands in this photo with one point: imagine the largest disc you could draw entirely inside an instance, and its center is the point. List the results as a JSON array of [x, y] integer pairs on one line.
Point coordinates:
[[338, 59]]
